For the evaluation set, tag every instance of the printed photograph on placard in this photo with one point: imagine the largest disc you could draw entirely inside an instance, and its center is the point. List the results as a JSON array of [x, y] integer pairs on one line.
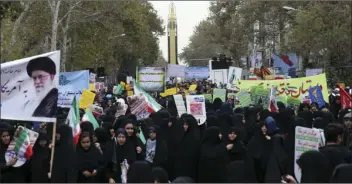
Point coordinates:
[[30, 85], [196, 109], [21, 146]]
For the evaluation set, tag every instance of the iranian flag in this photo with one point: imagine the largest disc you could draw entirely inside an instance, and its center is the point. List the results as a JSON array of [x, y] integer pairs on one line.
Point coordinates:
[[152, 104], [73, 120], [23, 145], [279, 76], [88, 116], [252, 77]]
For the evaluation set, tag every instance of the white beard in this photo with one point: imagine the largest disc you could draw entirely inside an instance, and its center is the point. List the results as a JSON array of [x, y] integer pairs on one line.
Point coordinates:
[[31, 106]]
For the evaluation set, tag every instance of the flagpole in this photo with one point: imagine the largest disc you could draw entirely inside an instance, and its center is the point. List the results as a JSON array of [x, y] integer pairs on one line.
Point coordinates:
[[52, 147]]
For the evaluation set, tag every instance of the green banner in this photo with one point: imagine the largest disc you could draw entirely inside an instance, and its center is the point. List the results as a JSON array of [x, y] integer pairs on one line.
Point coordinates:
[[219, 93]]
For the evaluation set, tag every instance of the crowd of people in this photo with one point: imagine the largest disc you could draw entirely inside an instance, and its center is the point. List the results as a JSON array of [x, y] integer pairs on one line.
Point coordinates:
[[234, 145]]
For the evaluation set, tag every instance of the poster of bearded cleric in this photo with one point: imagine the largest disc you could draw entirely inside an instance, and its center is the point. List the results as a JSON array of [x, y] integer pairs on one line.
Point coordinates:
[[29, 88]]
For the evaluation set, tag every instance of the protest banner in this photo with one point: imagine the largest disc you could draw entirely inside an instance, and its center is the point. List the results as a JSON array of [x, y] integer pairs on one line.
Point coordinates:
[[197, 73], [72, 84], [196, 107], [151, 79], [192, 87], [139, 106], [260, 94], [306, 139], [21, 145], [295, 88], [180, 105], [151, 101], [130, 93], [87, 98], [117, 90], [219, 93], [29, 88], [316, 95], [208, 97], [91, 87], [168, 92], [234, 74], [245, 98], [175, 70]]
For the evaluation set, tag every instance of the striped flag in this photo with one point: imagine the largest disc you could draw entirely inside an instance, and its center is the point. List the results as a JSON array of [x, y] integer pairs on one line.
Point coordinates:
[[152, 104], [23, 145], [252, 77], [88, 116], [73, 120]]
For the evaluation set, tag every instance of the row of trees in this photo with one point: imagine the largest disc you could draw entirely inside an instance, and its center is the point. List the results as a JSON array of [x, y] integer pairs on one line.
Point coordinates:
[[113, 34], [318, 31]]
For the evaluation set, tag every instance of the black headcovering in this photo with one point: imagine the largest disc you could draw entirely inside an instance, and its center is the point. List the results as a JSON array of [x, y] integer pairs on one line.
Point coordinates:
[[41, 63]]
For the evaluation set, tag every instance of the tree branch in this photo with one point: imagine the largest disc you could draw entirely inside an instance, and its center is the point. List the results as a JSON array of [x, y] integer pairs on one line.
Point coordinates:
[[68, 12], [51, 6], [16, 26]]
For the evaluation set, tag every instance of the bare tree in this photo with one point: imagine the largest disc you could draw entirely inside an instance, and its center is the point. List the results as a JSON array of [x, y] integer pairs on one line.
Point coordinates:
[[17, 24], [55, 8]]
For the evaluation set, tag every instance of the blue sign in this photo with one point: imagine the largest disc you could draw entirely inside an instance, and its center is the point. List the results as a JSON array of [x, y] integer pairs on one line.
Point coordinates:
[[72, 84], [316, 95], [197, 73]]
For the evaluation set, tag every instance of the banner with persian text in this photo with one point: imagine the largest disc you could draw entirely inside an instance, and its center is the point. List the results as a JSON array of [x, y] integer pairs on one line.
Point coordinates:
[[151, 79], [72, 84], [29, 88], [293, 88], [197, 73]]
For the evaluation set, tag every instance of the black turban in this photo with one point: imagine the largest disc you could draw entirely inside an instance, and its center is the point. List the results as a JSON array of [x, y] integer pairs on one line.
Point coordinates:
[[41, 63]]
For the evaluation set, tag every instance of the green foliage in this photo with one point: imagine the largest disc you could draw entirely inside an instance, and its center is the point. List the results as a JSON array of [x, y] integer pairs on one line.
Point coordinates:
[[112, 34], [318, 31]]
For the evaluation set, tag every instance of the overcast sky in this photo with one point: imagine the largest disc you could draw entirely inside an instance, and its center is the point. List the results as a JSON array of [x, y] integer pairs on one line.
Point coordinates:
[[189, 14]]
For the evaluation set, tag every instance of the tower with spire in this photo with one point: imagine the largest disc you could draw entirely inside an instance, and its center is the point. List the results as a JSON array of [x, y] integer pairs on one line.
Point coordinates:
[[172, 35]]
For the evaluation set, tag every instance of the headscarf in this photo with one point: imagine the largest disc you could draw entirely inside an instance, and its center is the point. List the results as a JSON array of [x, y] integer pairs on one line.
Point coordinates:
[[140, 172], [314, 167]]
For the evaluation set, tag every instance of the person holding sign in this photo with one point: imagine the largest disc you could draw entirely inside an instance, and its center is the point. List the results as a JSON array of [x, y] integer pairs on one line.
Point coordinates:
[[42, 70], [9, 173]]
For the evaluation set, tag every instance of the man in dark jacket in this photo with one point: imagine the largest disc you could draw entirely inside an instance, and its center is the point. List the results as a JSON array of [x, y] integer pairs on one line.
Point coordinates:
[[333, 150]]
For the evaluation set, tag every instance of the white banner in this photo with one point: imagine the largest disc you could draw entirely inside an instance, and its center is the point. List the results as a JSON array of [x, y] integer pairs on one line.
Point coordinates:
[[219, 76], [175, 70], [196, 107], [151, 79], [180, 105], [234, 74], [306, 139], [29, 88], [72, 84]]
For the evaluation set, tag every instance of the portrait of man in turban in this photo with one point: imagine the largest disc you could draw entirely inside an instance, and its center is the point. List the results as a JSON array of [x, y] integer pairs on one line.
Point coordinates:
[[42, 71]]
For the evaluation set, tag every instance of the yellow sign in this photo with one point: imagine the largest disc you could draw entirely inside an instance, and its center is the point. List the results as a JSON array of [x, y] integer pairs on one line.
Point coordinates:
[[193, 87], [87, 98], [295, 88], [128, 88], [168, 92], [129, 93], [91, 87]]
